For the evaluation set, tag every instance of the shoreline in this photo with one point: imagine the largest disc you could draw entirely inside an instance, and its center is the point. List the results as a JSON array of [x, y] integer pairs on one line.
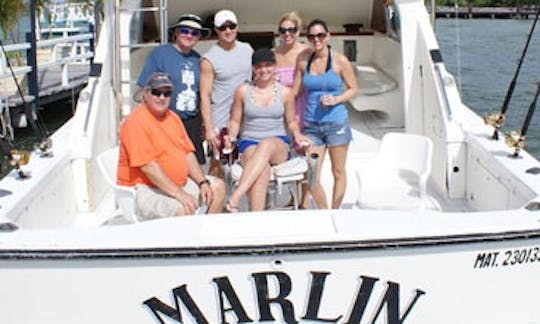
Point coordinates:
[[475, 12]]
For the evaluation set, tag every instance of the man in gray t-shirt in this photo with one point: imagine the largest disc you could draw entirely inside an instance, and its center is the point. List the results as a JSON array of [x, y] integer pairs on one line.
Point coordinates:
[[223, 68]]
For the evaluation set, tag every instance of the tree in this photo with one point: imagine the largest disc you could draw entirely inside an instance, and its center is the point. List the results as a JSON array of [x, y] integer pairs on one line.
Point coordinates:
[[10, 11]]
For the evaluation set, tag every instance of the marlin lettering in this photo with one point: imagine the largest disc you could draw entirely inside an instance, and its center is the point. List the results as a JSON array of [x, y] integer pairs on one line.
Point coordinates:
[[232, 310]]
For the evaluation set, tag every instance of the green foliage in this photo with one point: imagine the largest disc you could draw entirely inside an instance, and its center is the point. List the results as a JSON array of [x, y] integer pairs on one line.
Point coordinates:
[[10, 11]]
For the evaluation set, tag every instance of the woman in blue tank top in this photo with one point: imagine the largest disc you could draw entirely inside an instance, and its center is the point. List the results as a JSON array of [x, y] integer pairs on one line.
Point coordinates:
[[329, 82], [259, 113]]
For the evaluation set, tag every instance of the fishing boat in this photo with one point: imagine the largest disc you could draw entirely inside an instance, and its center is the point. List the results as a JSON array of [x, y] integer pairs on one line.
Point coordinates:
[[440, 222]]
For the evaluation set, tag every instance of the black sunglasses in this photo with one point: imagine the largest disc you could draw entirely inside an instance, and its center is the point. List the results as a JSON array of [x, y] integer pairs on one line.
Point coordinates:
[[291, 30], [230, 26], [157, 93], [190, 31], [311, 37]]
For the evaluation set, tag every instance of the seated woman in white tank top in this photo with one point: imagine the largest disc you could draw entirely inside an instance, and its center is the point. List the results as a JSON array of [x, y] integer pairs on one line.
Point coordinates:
[[259, 113]]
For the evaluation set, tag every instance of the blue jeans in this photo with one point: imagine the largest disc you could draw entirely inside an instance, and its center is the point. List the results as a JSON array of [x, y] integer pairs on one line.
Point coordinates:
[[334, 133]]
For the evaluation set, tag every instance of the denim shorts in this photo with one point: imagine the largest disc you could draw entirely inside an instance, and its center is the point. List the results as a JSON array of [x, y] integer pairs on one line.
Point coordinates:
[[328, 133]]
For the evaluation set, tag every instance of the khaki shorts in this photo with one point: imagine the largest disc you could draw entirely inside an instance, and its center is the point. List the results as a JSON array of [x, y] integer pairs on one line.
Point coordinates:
[[152, 203]]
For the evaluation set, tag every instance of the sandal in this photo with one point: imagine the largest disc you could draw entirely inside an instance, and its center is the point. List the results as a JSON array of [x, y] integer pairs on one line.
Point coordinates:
[[230, 208]]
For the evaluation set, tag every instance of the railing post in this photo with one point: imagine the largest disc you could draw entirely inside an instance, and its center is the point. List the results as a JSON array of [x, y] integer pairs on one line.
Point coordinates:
[[91, 29], [31, 61], [3, 62], [31, 58]]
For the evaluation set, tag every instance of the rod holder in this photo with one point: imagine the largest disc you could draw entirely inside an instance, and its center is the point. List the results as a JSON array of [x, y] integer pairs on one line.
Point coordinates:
[[496, 120]]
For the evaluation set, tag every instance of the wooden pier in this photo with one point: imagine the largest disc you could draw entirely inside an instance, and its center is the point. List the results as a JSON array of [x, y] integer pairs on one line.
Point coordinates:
[[487, 12], [56, 62], [50, 85], [62, 66]]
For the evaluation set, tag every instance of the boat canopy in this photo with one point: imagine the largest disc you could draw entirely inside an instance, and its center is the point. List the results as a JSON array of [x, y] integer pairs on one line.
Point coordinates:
[[264, 15]]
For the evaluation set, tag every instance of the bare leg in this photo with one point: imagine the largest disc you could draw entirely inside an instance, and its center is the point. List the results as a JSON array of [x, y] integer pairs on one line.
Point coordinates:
[[219, 188], [318, 192], [269, 150], [257, 192], [215, 168], [338, 157]]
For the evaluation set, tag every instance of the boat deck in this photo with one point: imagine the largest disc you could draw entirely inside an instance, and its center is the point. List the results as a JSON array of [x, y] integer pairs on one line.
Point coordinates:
[[368, 129]]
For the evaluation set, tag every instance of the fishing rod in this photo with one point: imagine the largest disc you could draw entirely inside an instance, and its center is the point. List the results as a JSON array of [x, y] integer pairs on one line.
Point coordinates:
[[17, 157], [39, 128], [44, 143], [516, 139], [19, 91], [497, 119]]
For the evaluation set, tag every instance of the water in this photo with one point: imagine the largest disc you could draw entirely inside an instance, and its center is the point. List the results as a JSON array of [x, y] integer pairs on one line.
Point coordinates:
[[488, 53]]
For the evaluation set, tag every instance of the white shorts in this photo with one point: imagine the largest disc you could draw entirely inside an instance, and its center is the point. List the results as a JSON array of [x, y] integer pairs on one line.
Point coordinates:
[[152, 203]]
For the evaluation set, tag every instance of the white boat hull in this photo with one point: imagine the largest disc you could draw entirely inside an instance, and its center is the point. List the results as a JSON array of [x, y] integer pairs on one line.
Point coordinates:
[[469, 279]]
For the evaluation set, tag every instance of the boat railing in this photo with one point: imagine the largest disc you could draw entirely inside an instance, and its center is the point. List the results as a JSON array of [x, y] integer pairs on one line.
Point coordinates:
[[443, 81], [67, 13], [59, 52]]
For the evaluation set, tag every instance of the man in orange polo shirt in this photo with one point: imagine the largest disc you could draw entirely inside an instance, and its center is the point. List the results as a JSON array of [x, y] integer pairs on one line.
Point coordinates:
[[157, 157]]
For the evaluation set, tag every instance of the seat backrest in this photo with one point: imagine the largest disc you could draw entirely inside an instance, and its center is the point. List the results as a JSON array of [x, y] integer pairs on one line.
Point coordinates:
[[108, 164], [407, 151], [124, 196]]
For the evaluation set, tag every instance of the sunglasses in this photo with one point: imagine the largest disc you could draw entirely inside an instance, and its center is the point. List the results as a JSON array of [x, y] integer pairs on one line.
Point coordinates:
[[319, 36], [290, 30], [190, 31], [230, 26], [158, 93]]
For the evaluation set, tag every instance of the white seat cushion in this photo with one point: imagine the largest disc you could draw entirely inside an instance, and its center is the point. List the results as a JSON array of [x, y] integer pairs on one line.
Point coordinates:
[[293, 168], [372, 81]]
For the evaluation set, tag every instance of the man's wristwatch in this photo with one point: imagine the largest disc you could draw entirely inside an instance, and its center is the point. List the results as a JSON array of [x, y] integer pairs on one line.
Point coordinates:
[[203, 182]]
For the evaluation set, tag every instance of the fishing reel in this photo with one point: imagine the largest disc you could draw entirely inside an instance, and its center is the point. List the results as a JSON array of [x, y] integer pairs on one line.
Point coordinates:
[[496, 120], [516, 141], [44, 147], [18, 158]]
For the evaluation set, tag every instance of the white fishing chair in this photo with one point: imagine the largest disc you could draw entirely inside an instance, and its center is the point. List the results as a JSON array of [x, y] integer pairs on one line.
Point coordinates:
[[396, 178], [290, 173], [124, 196]]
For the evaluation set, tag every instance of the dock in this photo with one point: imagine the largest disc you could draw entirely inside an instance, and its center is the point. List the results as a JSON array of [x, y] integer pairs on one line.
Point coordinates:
[[62, 67], [54, 83], [524, 12], [60, 62]]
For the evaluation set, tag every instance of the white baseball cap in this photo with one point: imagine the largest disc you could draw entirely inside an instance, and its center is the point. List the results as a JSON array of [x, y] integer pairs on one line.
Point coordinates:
[[223, 16]]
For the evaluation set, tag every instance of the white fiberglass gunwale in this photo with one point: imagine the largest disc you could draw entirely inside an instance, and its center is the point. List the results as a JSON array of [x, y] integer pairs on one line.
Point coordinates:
[[264, 232]]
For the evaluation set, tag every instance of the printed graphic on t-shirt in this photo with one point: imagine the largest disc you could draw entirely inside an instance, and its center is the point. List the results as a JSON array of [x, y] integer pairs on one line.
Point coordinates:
[[185, 100]]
